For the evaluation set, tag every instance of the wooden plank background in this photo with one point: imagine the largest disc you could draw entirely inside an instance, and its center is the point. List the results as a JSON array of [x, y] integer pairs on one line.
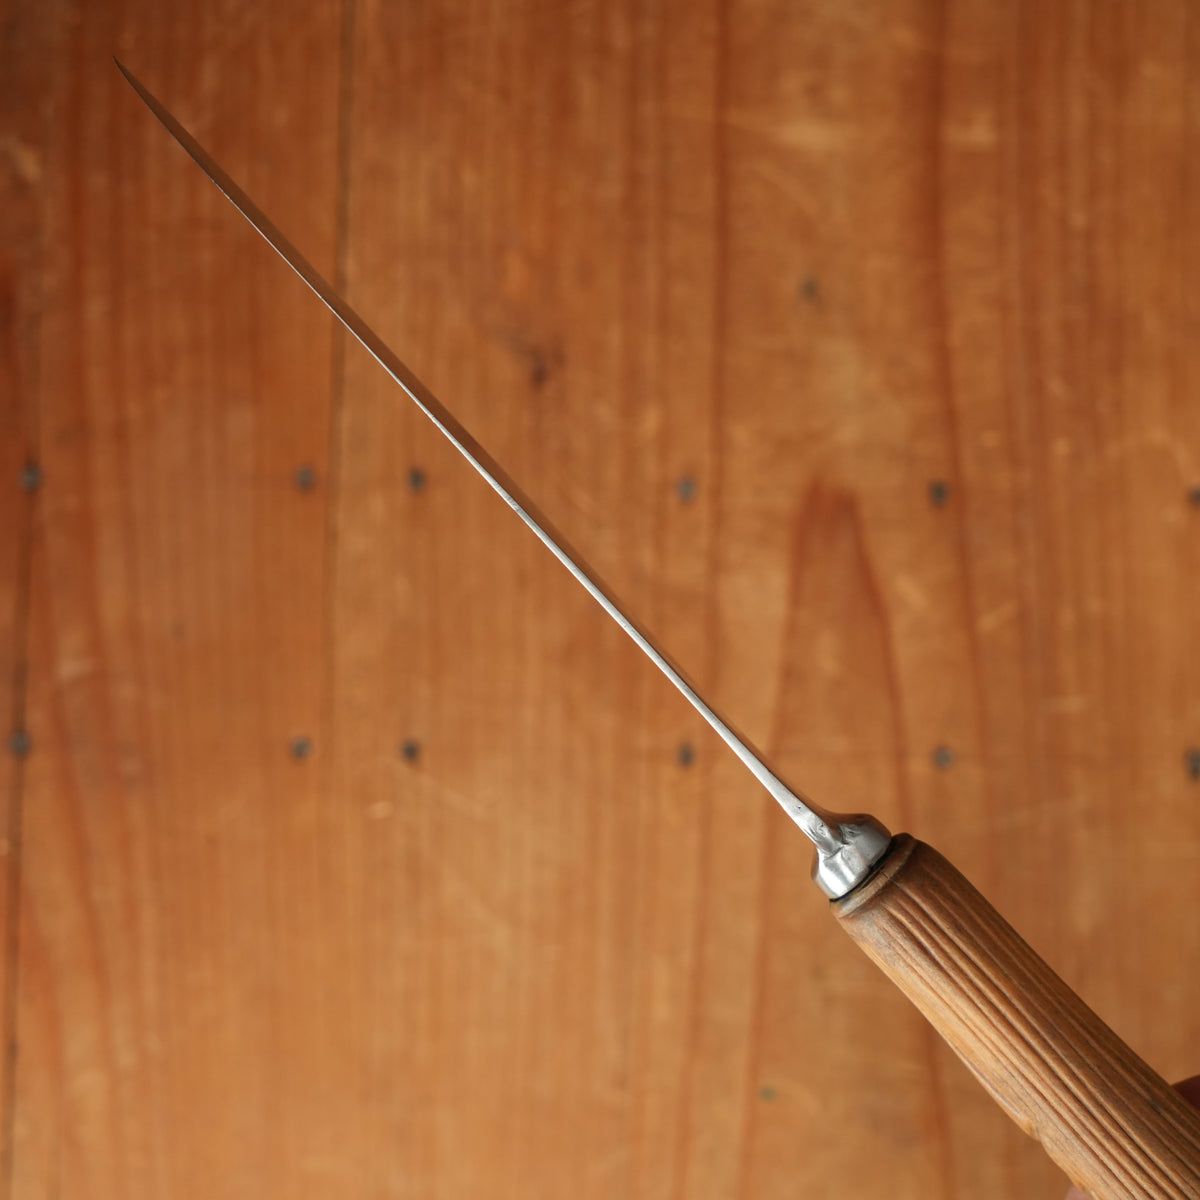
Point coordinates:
[[349, 851]]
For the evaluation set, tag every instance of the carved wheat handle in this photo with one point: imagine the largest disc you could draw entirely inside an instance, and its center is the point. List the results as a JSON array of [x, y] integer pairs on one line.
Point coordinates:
[[1116, 1128]]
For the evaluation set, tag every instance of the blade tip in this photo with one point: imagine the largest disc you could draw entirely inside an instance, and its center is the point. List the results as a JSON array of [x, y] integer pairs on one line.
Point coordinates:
[[130, 78]]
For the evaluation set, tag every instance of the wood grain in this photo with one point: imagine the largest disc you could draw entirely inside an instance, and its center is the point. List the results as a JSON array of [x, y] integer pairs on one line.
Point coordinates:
[[728, 287], [23, 73], [177, 636], [1117, 1128]]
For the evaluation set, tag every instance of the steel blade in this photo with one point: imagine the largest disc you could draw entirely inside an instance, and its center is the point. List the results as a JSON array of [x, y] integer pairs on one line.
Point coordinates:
[[847, 846]]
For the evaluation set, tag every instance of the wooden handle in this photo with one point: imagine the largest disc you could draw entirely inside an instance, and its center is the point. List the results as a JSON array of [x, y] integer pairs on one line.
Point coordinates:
[[1115, 1127]]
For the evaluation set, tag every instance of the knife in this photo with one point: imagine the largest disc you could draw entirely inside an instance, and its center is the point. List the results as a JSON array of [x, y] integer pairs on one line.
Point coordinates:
[[1115, 1127]]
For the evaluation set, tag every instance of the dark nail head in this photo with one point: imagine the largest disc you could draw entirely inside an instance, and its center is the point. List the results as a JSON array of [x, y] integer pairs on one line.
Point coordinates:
[[1192, 762], [306, 478], [410, 749], [301, 748], [31, 477], [416, 480], [939, 492], [19, 743], [685, 755], [685, 489], [943, 758]]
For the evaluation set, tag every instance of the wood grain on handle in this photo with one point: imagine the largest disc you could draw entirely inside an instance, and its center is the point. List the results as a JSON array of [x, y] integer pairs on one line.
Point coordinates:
[[1115, 1127]]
